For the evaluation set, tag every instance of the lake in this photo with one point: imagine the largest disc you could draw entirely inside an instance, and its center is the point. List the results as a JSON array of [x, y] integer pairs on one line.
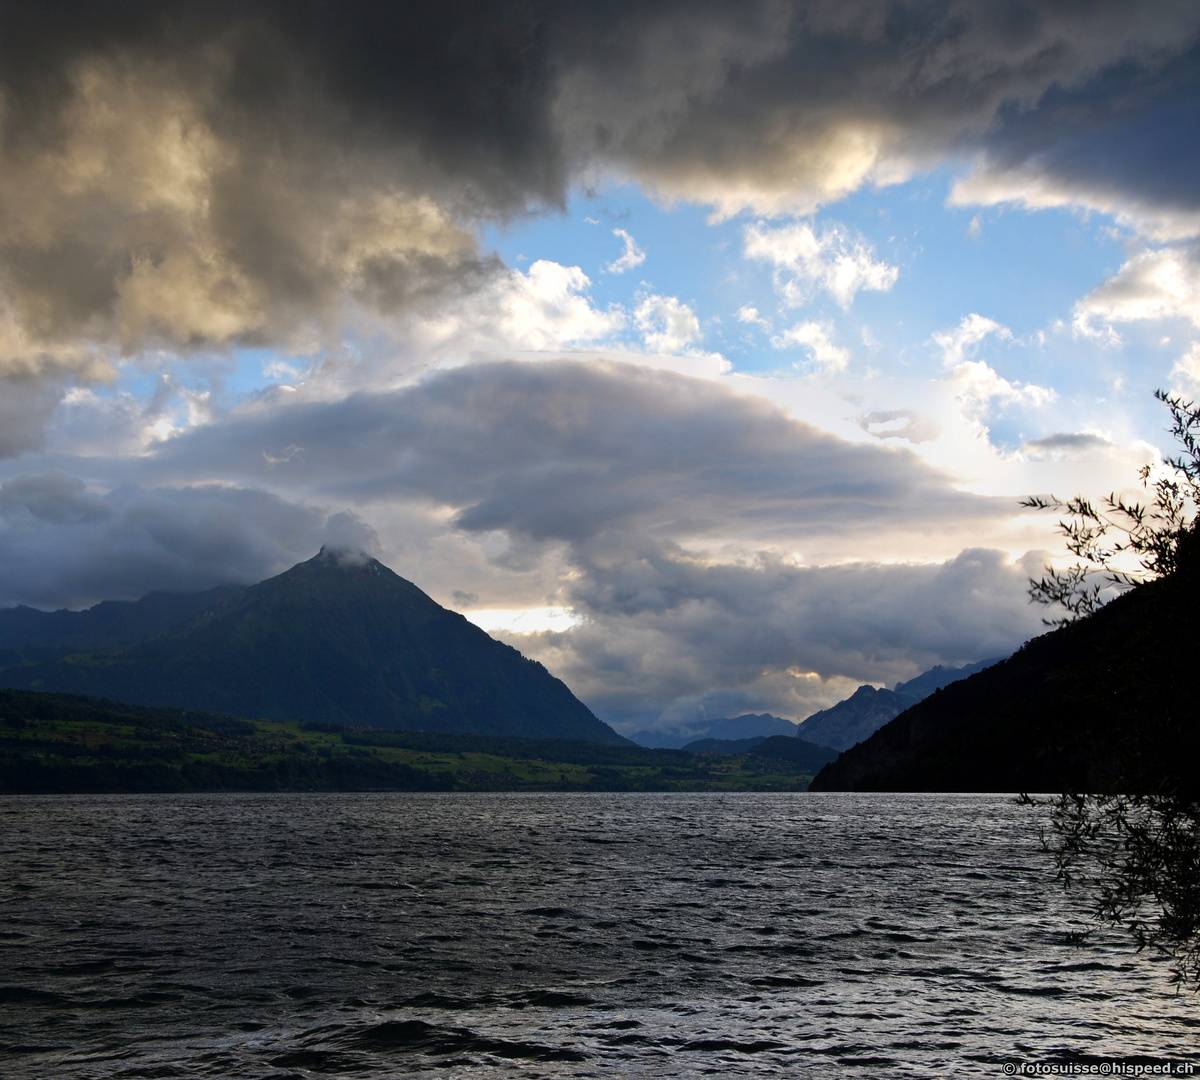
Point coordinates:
[[548, 935]]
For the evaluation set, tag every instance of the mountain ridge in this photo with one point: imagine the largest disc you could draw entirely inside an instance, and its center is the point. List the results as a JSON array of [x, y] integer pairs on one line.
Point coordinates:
[[335, 639], [28, 634], [864, 712]]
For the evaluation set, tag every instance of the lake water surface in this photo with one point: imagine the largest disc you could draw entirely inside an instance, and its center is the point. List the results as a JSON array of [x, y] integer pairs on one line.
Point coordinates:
[[548, 935]]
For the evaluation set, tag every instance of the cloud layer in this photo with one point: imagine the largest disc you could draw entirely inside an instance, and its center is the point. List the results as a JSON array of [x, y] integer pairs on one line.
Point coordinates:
[[568, 451]]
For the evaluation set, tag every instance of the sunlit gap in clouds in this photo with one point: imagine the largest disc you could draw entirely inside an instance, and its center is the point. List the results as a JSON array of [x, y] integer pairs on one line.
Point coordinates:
[[524, 620]]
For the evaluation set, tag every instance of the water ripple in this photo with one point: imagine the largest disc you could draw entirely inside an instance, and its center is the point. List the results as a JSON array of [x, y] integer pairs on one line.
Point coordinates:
[[549, 935]]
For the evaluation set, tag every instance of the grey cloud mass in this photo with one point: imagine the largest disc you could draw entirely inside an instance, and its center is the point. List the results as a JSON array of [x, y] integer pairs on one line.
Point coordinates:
[[679, 639], [193, 174], [1068, 444], [27, 402], [786, 106], [579, 453]]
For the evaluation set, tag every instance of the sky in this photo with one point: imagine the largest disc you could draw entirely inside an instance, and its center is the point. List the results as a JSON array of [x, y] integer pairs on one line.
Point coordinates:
[[701, 351]]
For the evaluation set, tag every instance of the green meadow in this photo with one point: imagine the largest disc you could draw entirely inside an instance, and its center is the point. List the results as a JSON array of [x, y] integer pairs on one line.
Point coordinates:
[[69, 743]]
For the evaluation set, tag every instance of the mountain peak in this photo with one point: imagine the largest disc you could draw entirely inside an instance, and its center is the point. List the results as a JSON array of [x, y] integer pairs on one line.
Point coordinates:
[[341, 639], [334, 565], [345, 558]]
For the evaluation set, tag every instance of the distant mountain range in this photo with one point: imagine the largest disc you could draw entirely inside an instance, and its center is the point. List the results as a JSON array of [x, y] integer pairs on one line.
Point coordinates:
[[747, 726], [728, 746], [333, 640], [838, 727], [1104, 704], [868, 709]]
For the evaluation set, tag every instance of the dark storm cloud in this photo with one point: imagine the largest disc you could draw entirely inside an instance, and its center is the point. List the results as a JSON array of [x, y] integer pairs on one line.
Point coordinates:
[[1137, 133], [204, 174], [199, 173], [62, 545], [466, 83], [788, 105]]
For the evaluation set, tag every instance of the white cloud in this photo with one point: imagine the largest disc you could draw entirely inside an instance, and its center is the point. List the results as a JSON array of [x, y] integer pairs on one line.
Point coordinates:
[[1034, 188], [979, 389], [748, 313], [631, 257], [979, 384], [668, 325], [815, 337], [544, 308], [957, 343], [1185, 375], [1153, 285], [804, 261], [524, 620], [278, 368], [904, 424]]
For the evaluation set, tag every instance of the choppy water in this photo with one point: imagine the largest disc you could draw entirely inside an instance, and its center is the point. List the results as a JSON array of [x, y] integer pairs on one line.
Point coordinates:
[[641, 935]]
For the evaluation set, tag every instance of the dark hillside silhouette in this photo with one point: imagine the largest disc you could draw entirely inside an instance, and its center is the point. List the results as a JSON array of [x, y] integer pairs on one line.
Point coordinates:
[[1100, 702]]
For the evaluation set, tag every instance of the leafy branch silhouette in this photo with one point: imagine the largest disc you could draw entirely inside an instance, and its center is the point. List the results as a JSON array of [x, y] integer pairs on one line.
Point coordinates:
[[1152, 532]]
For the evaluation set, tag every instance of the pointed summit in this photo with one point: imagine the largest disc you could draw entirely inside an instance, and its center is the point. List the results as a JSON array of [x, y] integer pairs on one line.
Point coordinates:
[[342, 558], [337, 639]]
